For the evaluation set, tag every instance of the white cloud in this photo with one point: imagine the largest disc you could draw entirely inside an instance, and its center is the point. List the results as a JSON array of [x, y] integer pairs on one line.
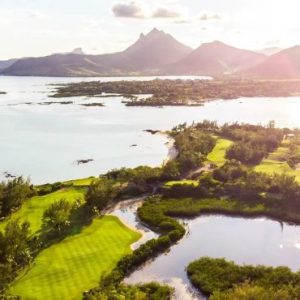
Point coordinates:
[[210, 16], [128, 10], [163, 12], [136, 10]]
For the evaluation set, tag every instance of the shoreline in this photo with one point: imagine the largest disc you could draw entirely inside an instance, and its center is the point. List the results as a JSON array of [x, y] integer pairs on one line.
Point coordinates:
[[130, 204], [170, 145]]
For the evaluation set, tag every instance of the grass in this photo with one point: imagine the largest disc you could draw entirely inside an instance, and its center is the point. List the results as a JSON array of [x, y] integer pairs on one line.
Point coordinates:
[[65, 270], [32, 210], [181, 182], [194, 207], [217, 155], [275, 164], [81, 182]]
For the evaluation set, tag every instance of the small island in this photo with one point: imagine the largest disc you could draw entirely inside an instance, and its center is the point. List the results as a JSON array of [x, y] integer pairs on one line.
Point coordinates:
[[2, 93], [180, 92], [224, 280]]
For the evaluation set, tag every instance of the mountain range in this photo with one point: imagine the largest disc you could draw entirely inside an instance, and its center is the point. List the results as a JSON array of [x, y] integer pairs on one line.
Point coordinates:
[[158, 53]]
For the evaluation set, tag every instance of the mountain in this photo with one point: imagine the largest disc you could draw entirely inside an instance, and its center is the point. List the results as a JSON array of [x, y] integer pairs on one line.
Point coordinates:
[[269, 51], [78, 51], [155, 50], [147, 55], [64, 65], [285, 64], [215, 58], [74, 51], [6, 63]]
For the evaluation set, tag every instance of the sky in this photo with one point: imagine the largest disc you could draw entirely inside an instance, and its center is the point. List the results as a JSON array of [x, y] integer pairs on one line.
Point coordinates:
[[42, 27]]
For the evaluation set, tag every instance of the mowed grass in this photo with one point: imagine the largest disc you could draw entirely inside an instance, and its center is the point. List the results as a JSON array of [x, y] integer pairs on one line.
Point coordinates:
[[275, 164], [65, 270], [218, 155], [272, 167], [33, 209], [181, 182], [81, 182]]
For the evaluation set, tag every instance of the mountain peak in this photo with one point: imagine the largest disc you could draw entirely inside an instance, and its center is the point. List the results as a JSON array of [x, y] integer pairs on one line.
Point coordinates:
[[78, 51], [284, 64], [216, 42], [155, 31], [156, 48], [215, 45], [215, 58], [153, 34]]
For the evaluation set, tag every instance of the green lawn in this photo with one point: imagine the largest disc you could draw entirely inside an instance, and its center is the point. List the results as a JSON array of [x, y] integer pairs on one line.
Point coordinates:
[[65, 270], [271, 167], [275, 164], [181, 182], [217, 155], [81, 182], [33, 209]]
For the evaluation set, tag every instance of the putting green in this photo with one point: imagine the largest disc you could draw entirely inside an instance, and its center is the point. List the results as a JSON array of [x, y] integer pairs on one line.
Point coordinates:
[[65, 270], [218, 155], [33, 209]]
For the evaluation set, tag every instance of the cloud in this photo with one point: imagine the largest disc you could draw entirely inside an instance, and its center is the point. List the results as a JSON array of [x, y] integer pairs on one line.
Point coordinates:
[[130, 10], [36, 15], [135, 10], [210, 16], [163, 12]]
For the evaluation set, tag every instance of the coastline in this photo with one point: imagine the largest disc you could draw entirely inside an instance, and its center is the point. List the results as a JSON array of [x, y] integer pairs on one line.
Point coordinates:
[[170, 144]]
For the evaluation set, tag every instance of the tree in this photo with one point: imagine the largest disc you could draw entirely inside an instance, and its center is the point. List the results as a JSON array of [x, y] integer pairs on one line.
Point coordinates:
[[15, 251], [13, 193], [248, 291], [14, 243], [57, 216], [101, 192], [171, 170]]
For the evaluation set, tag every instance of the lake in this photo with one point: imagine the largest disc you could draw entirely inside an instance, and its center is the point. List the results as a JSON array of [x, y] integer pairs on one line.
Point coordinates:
[[257, 241], [45, 141]]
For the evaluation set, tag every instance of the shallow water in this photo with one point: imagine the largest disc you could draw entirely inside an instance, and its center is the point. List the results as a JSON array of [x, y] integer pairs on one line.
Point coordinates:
[[257, 241], [126, 211], [245, 241], [44, 141]]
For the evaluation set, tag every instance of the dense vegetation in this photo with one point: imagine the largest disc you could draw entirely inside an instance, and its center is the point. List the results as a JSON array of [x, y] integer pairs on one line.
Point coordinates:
[[180, 92], [16, 251], [150, 291], [193, 146], [13, 193], [57, 216], [224, 280]]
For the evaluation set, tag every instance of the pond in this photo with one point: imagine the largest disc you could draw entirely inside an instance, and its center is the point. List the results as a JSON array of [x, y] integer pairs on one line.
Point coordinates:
[[258, 241]]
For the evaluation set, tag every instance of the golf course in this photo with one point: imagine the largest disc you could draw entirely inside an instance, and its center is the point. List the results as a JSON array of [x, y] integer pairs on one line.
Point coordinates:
[[32, 210], [276, 163], [218, 155], [64, 270]]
